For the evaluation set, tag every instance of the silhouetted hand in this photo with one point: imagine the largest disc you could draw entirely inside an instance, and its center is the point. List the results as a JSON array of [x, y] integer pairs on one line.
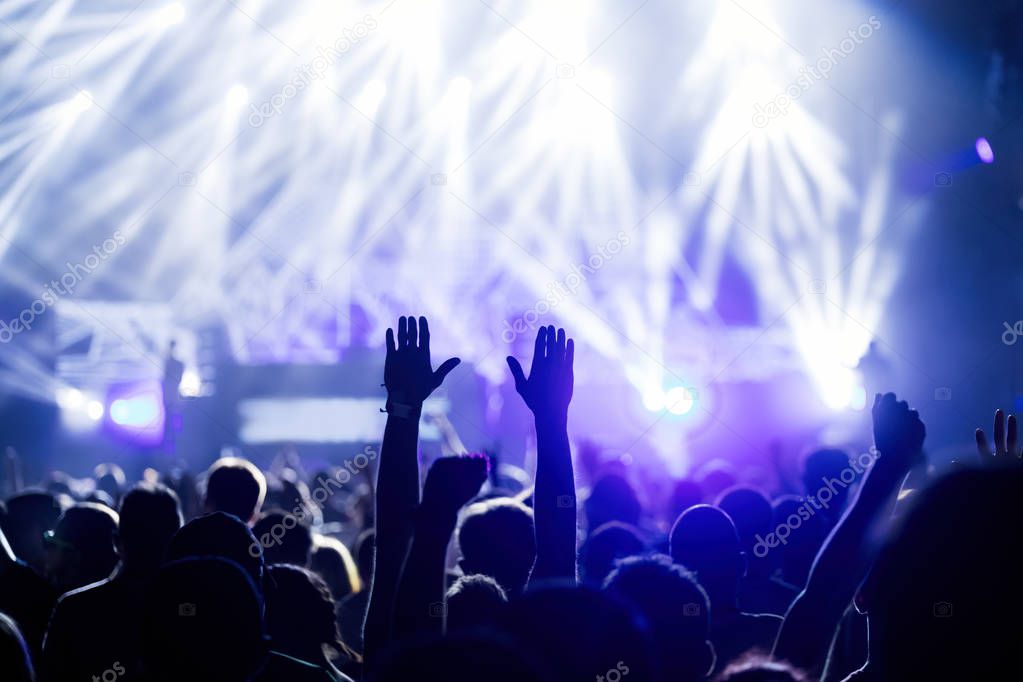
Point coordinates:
[[548, 390], [1007, 451], [408, 374], [898, 436], [898, 433], [453, 481], [845, 557]]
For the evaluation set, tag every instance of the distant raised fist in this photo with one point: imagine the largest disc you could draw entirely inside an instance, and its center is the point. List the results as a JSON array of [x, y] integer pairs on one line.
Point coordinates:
[[898, 430]]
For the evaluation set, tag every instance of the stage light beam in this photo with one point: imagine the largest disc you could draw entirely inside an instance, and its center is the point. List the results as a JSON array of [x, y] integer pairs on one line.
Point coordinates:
[[170, 15], [984, 150]]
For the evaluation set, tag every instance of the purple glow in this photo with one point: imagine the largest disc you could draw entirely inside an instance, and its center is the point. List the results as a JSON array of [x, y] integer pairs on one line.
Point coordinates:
[[136, 410], [984, 151]]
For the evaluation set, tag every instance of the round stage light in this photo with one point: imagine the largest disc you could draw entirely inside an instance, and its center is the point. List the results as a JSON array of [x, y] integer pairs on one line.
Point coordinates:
[[70, 398], [94, 410], [653, 399], [138, 411], [191, 384], [984, 150], [680, 400]]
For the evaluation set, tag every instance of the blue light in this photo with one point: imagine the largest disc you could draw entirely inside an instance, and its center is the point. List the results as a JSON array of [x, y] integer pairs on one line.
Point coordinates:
[[137, 411], [984, 151]]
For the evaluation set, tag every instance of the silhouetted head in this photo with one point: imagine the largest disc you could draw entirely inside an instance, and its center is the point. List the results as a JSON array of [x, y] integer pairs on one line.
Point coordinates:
[[219, 535], [759, 669], [805, 537], [60, 483], [685, 494], [300, 613], [289, 492], [110, 479], [676, 609], [15, 660], [101, 497], [750, 511], [333, 562], [365, 551], [704, 540], [235, 486], [29, 516], [149, 517], [820, 467], [184, 485], [612, 498], [202, 621], [604, 547], [581, 632], [474, 601], [80, 548], [496, 539], [285, 538], [715, 477], [462, 657], [944, 590]]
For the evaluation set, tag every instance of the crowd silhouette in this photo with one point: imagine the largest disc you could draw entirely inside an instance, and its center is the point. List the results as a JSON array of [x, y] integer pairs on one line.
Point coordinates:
[[904, 572]]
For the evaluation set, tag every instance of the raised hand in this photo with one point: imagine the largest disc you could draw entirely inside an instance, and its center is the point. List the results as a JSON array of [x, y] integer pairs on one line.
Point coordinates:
[[846, 556], [408, 374], [548, 390], [898, 431], [409, 379], [1007, 451], [453, 481]]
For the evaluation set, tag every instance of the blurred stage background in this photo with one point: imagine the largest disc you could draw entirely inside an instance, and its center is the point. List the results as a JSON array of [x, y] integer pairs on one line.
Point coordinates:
[[725, 203]]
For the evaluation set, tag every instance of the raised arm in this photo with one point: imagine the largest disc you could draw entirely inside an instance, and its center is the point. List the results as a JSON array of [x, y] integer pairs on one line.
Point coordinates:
[[450, 484], [844, 559], [1006, 451], [409, 379], [547, 392]]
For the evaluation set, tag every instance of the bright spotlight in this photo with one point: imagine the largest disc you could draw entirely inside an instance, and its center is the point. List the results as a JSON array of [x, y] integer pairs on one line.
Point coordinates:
[[577, 113], [237, 97], [170, 15], [460, 87], [653, 399], [680, 400], [137, 411], [191, 383], [369, 99], [840, 389], [984, 151], [94, 410], [77, 105], [858, 400], [78, 410], [69, 398]]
